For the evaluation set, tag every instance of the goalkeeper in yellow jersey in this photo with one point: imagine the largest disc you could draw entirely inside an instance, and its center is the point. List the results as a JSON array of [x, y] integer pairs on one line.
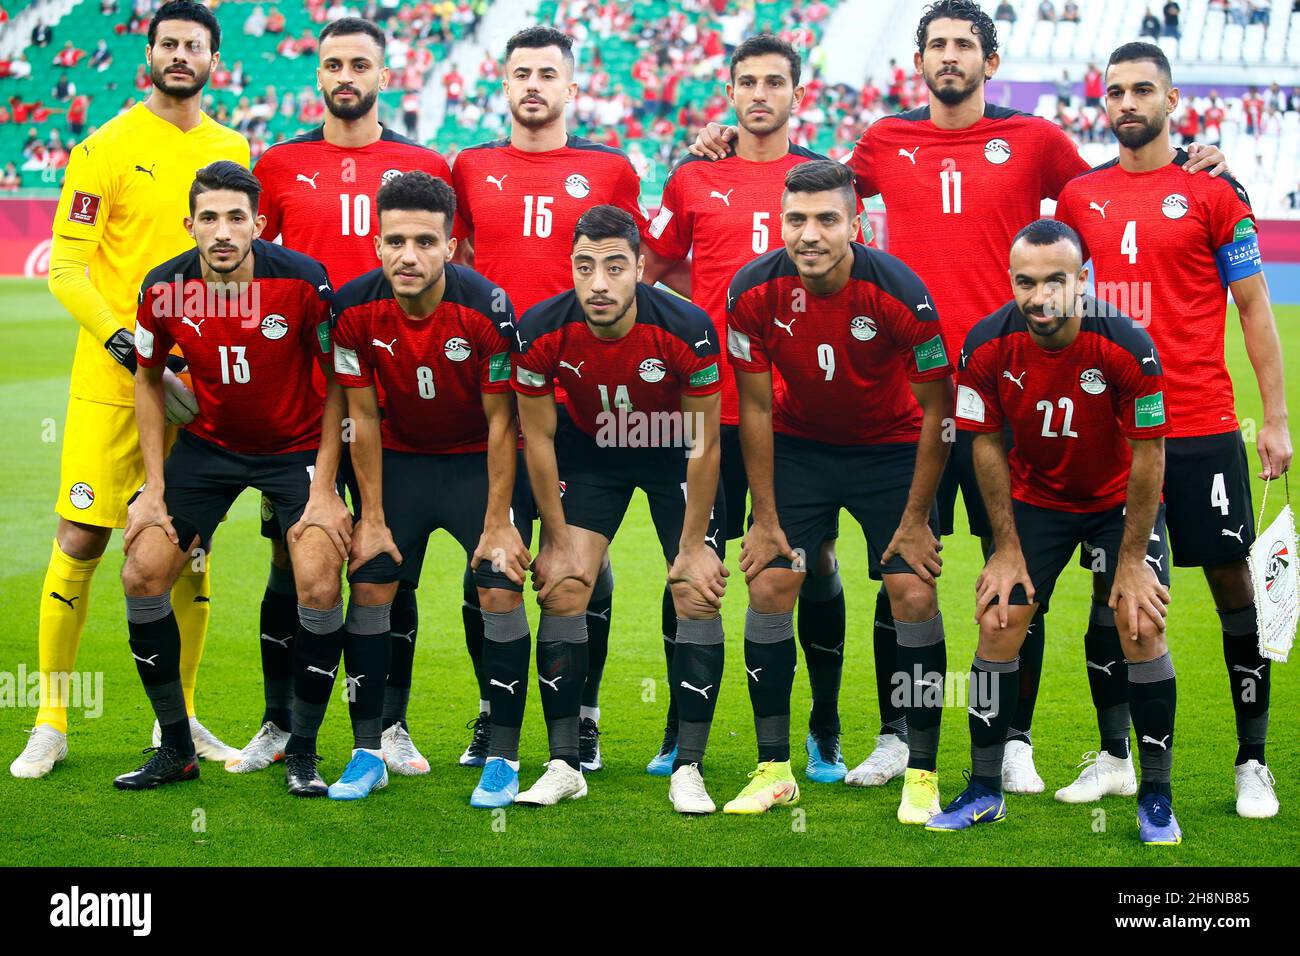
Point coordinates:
[[122, 211]]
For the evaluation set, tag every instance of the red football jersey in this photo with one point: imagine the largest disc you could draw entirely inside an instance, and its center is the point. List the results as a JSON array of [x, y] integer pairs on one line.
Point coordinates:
[[251, 361], [846, 358], [1164, 244], [521, 209], [728, 212], [429, 373], [954, 199], [671, 351], [320, 199], [1071, 411]]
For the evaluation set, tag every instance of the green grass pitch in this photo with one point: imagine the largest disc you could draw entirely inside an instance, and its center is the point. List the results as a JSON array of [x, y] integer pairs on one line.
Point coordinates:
[[75, 817]]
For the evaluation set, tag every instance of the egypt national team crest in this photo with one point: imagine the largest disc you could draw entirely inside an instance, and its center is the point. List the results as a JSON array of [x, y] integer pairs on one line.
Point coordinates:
[[456, 349], [1092, 381], [997, 151], [652, 370], [389, 176], [1174, 206], [275, 327], [81, 495], [576, 185], [862, 328], [1275, 579]]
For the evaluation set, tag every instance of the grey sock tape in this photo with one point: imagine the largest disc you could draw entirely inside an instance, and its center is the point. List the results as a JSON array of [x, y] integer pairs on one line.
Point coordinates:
[[146, 610], [318, 621], [571, 629], [1149, 672], [1239, 623], [997, 667], [507, 627], [707, 631], [769, 628], [367, 619], [920, 633]]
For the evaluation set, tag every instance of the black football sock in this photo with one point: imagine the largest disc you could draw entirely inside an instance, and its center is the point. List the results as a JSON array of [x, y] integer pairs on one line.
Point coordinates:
[[697, 674], [923, 659], [1250, 679], [156, 646], [884, 644], [404, 624], [668, 624], [505, 658], [472, 617], [770, 660], [1031, 672], [821, 634], [561, 673], [1108, 680], [992, 698], [1153, 697], [316, 657], [366, 653], [279, 625], [598, 621]]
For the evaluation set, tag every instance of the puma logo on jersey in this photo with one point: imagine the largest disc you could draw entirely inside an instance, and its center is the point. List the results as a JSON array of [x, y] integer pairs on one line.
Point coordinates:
[[987, 718], [186, 320], [1158, 561], [1257, 671], [788, 327], [353, 682], [725, 197], [520, 339], [68, 601], [1101, 209], [510, 687], [712, 539], [704, 341], [575, 369], [551, 683], [1104, 668], [148, 172], [754, 673], [702, 691], [1019, 381], [309, 181], [1161, 743], [1149, 358], [925, 305], [387, 346], [1229, 533], [911, 155], [496, 182]]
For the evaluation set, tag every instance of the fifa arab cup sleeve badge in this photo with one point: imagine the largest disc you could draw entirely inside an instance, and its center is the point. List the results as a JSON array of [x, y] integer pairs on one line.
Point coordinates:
[[1276, 580]]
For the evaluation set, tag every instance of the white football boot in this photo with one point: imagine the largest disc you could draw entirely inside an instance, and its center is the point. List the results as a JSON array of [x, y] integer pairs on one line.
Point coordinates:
[[400, 753], [886, 762], [1102, 775], [1256, 799], [266, 747], [560, 782], [45, 747], [686, 791], [1018, 773]]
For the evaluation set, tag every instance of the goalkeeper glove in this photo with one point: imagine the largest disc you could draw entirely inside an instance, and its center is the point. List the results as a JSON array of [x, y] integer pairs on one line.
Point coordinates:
[[179, 401]]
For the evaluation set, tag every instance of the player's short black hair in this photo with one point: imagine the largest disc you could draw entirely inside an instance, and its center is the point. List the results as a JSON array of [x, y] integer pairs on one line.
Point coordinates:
[[1048, 232], [1136, 51], [608, 222], [225, 174], [820, 176], [538, 37], [350, 26], [187, 10], [417, 190], [982, 23], [761, 44]]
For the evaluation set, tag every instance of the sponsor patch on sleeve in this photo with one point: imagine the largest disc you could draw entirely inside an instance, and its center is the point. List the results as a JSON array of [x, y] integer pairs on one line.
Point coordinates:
[[345, 361], [499, 367], [660, 222], [527, 377], [1149, 410], [930, 354], [738, 345], [143, 342], [705, 376], [84, 209], [970, 405], [323, 337]]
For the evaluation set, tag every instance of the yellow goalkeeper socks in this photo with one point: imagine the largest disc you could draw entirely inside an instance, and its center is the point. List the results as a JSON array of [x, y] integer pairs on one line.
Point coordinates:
[[65, 596], [190, 604]]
